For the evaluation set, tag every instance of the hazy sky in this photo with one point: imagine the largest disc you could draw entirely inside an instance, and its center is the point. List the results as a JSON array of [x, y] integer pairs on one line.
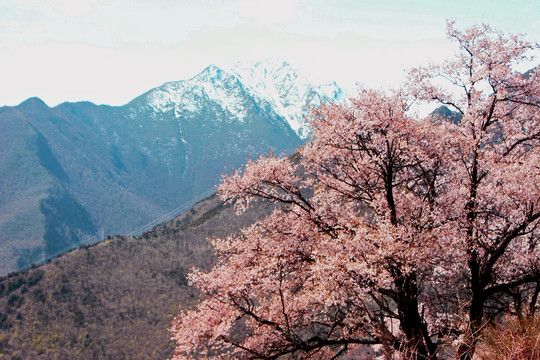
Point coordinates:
[[109, 51]]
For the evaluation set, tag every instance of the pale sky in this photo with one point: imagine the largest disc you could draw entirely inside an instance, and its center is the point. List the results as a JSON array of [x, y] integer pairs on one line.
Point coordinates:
[[110, 51]]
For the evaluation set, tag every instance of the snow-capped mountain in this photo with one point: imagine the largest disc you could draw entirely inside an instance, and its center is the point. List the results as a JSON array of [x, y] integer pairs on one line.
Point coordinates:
[[102, 170], [213, 84], [286, 90], [289, 92], [214, 105]]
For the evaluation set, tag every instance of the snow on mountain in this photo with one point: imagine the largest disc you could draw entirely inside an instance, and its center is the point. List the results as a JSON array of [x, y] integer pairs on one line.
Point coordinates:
[[213, 104], [212, 84], [275, 83], [289, 92]]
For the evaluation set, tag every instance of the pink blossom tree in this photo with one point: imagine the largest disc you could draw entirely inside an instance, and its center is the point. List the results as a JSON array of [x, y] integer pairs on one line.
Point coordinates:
[[392, 230]]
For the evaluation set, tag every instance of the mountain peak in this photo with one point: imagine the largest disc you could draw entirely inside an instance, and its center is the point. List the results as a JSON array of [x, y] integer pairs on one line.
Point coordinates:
[[212, 69], [288, 91], [33, 102], [274, 83], [212, 73]]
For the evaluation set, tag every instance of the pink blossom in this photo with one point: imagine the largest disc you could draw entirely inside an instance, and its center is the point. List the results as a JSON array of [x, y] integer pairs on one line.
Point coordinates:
[[391, 230]]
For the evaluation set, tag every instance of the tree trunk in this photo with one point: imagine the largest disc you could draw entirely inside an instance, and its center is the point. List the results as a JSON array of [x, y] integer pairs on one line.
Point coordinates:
[[418, 344], [476, 314]]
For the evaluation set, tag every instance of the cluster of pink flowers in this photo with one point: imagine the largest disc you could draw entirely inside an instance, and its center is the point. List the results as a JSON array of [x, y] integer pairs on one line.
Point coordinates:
[[392, 230]]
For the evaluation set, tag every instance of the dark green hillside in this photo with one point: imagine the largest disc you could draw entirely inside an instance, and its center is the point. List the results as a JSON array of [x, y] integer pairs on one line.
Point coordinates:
[[114, 299], [33, 199], [66, 222]]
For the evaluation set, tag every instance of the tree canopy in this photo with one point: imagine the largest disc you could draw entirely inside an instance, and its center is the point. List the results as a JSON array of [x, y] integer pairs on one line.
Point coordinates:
[[404, 232]]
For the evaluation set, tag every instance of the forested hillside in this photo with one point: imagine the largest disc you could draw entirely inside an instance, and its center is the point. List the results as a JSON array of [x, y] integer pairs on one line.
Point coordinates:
[[115, 299]]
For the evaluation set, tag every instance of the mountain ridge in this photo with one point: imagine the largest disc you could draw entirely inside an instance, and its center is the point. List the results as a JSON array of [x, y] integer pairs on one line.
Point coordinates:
[[127, 165]]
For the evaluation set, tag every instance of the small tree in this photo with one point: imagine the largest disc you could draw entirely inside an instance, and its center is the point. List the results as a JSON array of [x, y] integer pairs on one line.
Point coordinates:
[[393, 230]]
